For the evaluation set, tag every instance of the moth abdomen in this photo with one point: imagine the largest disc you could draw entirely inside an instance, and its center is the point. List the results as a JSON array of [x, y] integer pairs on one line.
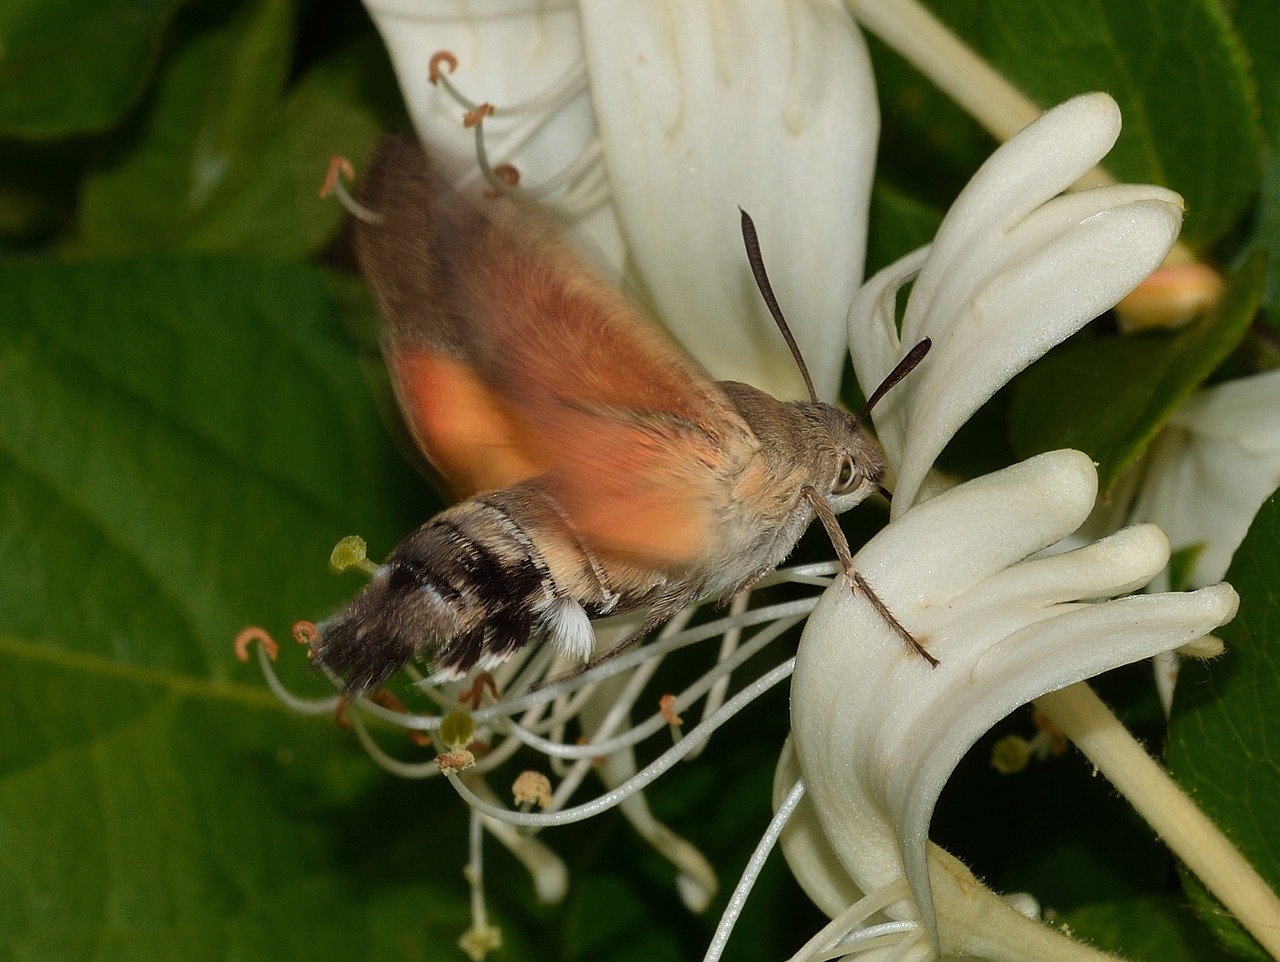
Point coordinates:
[[466, 590]]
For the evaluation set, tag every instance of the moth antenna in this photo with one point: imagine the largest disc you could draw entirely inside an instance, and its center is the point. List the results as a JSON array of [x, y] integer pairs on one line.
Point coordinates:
[[904, 367], [752, 242], [340, 167]]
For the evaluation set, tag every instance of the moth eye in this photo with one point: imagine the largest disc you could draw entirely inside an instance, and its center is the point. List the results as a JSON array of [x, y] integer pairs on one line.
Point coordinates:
[[848, 477]]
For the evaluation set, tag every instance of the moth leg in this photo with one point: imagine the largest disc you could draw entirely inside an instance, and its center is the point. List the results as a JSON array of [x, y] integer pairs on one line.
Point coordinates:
[[856, 581], [741, 590]]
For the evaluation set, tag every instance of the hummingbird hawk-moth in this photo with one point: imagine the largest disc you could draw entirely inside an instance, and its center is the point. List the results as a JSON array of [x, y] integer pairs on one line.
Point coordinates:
[[597, 468]]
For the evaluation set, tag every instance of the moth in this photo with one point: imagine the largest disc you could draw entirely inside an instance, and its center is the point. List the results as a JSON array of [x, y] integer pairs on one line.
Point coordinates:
[[597, 468]]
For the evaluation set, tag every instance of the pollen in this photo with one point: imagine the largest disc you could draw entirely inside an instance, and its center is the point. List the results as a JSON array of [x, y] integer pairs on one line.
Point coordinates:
[[532, 788], [453, 762]]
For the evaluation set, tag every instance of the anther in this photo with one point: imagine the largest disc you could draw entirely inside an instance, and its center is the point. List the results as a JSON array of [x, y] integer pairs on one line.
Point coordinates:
[[505, 174], [471, 697], [433, 67], [1051, 733], [473, 117], [453, 762], [1170, 298], [340, 713], [596, 760], [340, 167], [667, 705], [305, 632], [252, 634], [531, 788]]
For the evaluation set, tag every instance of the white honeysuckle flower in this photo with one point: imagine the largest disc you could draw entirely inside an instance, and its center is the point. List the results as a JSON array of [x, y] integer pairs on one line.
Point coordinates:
[[650, 124], [877, 731], [1204, 478], [1211, 467], [1017, 267]]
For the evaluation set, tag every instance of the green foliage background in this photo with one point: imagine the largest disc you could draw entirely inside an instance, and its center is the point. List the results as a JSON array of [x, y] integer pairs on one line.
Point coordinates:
[[188, 423]]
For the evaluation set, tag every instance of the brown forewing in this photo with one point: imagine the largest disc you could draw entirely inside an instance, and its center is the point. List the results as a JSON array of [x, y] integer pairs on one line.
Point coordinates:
[[514, 358]]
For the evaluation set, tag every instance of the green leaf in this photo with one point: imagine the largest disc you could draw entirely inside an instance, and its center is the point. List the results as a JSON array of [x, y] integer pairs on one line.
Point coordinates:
[[1258, 23], [182, 445], [147, 817], [1258, 26], [1222, 745], [1109, 395], [75, 66], [1178, 72], [1151, 929], [227, 159]]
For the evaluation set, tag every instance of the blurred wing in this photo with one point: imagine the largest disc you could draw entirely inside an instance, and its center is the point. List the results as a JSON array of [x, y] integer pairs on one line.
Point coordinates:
[[514, 358]]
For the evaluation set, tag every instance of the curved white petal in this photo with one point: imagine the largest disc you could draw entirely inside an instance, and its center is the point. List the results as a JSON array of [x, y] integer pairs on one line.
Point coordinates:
[[809, 855], [768, 105], [878, 731], [1016, 268], [1211, 468], [508, 51]]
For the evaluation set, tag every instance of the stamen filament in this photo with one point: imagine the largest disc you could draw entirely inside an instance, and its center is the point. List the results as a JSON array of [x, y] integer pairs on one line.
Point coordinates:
[[550, 877], [588, 162], [656, 722], [738, 900], [838, 929], [303, 706], [798, 608], [728, 645], [340, 167], [645, 776], [425, 769]]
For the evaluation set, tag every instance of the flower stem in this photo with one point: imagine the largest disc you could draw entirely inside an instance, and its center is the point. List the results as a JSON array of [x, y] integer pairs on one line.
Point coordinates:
[[1200, 844], [927, 44], [924, 41]]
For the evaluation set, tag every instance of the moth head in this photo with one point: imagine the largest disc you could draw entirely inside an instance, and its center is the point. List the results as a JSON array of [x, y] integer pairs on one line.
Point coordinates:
[[853, 463], [847, 455]]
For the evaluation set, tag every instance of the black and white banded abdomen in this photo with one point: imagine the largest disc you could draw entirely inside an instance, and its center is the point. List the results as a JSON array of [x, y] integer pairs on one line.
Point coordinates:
[[469, 588]]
